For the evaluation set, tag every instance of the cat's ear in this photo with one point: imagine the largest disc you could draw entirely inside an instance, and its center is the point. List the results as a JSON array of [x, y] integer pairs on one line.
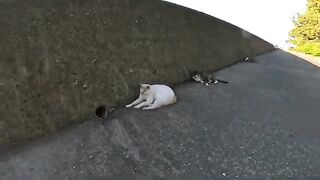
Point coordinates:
[[142, 85], [194, 73]]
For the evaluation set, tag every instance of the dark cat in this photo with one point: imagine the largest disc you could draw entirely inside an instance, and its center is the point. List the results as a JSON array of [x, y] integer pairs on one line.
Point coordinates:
[[206, 78]]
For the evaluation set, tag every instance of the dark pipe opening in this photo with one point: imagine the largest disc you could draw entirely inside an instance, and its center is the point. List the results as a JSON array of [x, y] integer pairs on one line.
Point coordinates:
[[101, 112]]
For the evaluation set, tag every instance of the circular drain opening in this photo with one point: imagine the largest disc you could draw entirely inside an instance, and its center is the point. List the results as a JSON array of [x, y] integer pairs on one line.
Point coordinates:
[[101, 112]]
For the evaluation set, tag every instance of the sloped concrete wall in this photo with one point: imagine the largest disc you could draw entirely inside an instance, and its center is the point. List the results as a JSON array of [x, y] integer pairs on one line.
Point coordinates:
[[62, 59]]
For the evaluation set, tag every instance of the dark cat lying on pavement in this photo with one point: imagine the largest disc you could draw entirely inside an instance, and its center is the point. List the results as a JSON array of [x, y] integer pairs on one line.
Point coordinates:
[[206, 78]]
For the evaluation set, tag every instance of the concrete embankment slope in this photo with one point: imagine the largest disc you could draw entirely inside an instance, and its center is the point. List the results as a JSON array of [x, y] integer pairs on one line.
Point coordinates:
[[265, 122], [60, 60]]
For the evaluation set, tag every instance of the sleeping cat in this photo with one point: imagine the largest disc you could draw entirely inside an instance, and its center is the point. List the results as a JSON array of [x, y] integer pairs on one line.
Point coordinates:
[[206, 78], [154, 96]]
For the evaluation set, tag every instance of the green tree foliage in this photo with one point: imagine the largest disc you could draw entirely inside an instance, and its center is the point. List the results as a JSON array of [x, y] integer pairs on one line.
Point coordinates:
[[306, 35]]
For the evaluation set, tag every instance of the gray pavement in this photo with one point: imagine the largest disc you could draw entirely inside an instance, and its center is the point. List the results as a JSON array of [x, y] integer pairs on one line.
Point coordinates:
[[264, 123]]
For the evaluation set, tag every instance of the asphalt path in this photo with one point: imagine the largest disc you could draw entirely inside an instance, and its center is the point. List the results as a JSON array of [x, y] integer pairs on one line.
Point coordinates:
[[264, 123]]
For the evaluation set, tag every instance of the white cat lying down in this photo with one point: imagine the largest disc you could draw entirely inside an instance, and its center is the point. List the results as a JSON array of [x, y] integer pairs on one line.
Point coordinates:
[[154, 96]]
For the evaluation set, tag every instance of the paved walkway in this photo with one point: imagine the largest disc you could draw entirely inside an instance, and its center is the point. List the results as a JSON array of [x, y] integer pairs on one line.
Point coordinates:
[[312, 59], [265, 122]]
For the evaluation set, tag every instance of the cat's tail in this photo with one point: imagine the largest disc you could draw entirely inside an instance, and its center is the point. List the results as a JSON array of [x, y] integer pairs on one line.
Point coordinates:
[[222, 81]]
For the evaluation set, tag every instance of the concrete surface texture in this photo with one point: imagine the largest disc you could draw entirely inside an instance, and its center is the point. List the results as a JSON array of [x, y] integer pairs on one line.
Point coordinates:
[[60, 60], [264, 123]]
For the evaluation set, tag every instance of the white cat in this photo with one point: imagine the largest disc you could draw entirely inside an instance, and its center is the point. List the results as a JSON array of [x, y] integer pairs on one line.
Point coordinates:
[[154, 96]]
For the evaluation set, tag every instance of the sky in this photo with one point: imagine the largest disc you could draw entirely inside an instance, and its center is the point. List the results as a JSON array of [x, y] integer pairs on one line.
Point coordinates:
[[268, 19]]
